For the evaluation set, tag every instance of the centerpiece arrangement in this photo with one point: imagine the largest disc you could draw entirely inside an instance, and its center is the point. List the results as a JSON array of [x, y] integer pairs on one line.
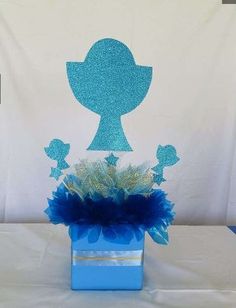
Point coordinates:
[[108, 208]]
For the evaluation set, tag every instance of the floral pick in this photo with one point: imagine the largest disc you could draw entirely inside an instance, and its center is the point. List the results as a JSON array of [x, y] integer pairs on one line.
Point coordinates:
[[166, 156], [58, 150]]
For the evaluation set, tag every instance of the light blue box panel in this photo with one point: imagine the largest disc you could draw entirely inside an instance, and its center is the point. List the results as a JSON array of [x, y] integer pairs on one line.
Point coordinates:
[[106, 265]]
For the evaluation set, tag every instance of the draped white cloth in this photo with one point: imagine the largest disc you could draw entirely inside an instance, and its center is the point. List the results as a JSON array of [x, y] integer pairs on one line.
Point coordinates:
[[191, 102], [196, 270]]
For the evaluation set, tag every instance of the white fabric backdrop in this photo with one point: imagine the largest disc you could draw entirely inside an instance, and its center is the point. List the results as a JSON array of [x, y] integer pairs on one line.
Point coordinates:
[[191, 103]]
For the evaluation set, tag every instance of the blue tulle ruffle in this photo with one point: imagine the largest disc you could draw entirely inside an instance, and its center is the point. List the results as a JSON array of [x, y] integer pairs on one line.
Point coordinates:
[[116, 221]]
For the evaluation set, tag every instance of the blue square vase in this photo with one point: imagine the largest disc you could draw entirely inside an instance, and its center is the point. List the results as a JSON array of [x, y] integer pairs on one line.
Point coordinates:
[[105, 265]]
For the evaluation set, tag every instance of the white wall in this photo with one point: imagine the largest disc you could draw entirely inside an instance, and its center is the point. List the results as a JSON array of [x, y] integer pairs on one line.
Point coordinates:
[[191, 103]]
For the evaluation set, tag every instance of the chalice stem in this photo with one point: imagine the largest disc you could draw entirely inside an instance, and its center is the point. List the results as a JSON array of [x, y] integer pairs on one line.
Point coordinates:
[[110, 135]]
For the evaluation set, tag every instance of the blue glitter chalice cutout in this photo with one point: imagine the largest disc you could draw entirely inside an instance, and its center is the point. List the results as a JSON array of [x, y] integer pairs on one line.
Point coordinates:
[[110, 84]]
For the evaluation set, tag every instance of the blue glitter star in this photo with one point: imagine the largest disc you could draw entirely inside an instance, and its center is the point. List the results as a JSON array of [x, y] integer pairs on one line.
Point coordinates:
[[55, 173], [111, 159], [158, 178]]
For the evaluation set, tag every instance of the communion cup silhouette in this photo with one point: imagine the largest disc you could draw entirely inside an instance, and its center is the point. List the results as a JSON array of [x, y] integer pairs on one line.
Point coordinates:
[[110, 84]]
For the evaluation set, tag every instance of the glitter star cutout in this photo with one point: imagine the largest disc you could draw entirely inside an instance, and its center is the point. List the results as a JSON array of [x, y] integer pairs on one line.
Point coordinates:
[[55, 173], [158, 178], [111, 159]]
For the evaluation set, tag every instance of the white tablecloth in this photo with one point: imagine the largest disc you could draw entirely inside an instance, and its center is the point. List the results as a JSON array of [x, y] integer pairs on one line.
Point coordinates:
[[197, 269]]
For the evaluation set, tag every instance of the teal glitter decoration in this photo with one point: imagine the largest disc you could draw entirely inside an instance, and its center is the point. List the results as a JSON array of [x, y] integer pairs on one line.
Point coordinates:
[[167, 157], [111, 159], [55, 173], [110, 84], [158, 178], [58, 150]]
